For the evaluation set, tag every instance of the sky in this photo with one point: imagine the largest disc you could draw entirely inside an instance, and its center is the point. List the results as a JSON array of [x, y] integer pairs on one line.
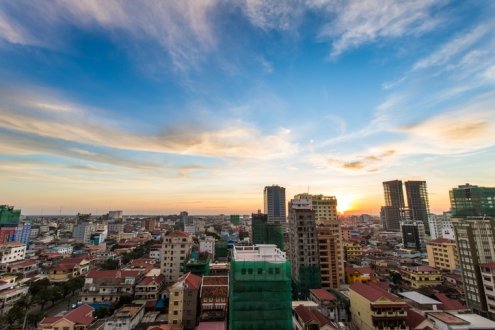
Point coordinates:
[[157, 107]]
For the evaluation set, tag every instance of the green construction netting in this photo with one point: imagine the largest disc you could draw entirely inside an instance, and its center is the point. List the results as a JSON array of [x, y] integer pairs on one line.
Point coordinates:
[[9, 215], [260, 295], [309, 278], [264, 233]]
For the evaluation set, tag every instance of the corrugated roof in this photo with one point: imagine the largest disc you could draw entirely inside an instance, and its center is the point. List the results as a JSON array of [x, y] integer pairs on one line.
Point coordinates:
[[322, 294], [372, 293]]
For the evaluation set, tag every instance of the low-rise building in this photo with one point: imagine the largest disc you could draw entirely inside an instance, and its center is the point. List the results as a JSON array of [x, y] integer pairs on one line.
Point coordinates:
[[326, 301], [23, 267], [375, 308], [183, 301], [80, 318], [12, 251], [65, 249], [421, 276], [107, 286], [305, 318], [9, 296], [352, 250], [214, 298], [149, 288], [126, 317], [442, 254], [69, 268], [359, 275]]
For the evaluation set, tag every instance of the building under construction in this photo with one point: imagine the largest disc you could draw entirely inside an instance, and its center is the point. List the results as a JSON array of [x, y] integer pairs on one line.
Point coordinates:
[[264, 232], [260, 289]]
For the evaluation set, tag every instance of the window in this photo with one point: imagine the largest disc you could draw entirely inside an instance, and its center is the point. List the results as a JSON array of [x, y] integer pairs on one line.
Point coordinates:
[[176, 312], [176, 294]]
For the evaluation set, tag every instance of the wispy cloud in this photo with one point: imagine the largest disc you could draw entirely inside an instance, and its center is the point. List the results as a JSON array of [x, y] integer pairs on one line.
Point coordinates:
[[358, 22], [230, 138]]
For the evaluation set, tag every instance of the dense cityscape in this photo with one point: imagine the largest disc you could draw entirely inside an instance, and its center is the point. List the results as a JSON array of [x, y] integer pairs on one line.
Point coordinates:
[[247, 165], [296, 265]]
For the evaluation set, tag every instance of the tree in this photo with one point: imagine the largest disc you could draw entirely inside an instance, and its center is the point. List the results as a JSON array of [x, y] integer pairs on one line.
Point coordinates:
[[102, 312], [75, 284], [110, 264], [38, 286]]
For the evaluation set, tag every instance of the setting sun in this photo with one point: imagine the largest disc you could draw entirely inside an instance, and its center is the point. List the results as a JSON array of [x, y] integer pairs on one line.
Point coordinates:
[[344, 203]]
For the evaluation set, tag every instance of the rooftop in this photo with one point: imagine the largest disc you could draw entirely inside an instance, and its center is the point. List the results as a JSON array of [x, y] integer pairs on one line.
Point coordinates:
[[215, 280], [322, 294], [419, 298], [441, 240], [373, 293], [259, 252]]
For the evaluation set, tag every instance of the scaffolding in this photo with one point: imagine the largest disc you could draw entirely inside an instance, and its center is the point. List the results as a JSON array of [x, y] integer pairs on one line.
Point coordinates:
[[8, 215], [309, 278], [260, 295]]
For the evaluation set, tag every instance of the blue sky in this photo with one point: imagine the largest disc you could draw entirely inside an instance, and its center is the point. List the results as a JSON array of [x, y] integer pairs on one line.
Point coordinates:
[[197, 105]]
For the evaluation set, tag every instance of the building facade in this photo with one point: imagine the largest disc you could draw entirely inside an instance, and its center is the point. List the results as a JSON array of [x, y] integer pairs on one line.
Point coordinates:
[[442, 254], [183, 304], [176, 248], [472, 201], [264, 232], [417, 202], [303, 247], [274, 202], [394, 203]]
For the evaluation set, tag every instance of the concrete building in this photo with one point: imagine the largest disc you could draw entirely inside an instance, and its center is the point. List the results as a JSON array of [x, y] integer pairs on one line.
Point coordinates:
[[475, 238], [214, 297], [325, 207], [208, 245], [472, 201], [176, 248], [375, 308], [488, 278], [260, 289], [274, 202], [265, 232], [65, 249], [442, 254], [12, 251], [421, 276], [413, 234], [149, 288], [441, 226], [303, 247], [353, 250], [331, 256], [126, 317], [107, 286], [82, 232], [394, 202], [183, 304], [80, 318], [417, 202]]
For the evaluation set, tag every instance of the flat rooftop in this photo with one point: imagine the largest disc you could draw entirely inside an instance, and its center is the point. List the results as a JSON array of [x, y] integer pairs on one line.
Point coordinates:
[[419, 298], [259, 252]]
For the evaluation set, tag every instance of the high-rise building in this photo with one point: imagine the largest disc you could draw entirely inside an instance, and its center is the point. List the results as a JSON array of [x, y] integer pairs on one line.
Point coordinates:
[[303, 247], [259, 289], [264, 232], [472, 201], [475, 238], [274, 201], [82, 232], [176, 248], [325, 207], [329, 235], [394, 205], [442, 254], [417, 202]]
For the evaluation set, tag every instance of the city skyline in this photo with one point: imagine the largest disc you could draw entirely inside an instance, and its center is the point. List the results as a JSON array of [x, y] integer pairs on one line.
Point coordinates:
[[156, 108]]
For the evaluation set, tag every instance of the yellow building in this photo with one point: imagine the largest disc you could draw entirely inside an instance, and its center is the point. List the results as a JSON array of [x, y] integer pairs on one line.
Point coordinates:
[[183, 302], [442, 254], [359, 275], [420, 276], [375, 308], [352, 250], [80, 318]]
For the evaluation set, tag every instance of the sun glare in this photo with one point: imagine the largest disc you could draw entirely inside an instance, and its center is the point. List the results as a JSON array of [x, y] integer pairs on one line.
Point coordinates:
[[344, 203]]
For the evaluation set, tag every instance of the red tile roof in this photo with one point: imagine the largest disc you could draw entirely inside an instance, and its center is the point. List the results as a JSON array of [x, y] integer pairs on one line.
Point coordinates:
[[447, 303], [360, 270], [422, 269], [441, 240], [372, 292], [322, 294], [147, 280], [414, 318], [81, 315], [178, 234], [308, 315], [193, 281], [215, 280]]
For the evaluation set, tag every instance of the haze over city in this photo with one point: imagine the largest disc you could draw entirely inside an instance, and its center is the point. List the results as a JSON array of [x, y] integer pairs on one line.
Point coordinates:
[[154, 107]]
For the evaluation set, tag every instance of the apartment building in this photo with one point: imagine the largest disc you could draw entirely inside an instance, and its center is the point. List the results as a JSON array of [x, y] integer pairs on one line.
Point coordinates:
[[375, 308], [488, 278], [107, 286], [149, 288], [12, 251], [352, 250], [442, 254], [176, 248], [214, 298], [183, 304], [421, 276]]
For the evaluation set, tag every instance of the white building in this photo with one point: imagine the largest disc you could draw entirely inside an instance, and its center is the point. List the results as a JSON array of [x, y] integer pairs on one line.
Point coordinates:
[[82, 232], [125, 318], [190, 229], [176, 247], [62, 249], [325, 207], [12, 251], [208, 245], [441, 226]]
